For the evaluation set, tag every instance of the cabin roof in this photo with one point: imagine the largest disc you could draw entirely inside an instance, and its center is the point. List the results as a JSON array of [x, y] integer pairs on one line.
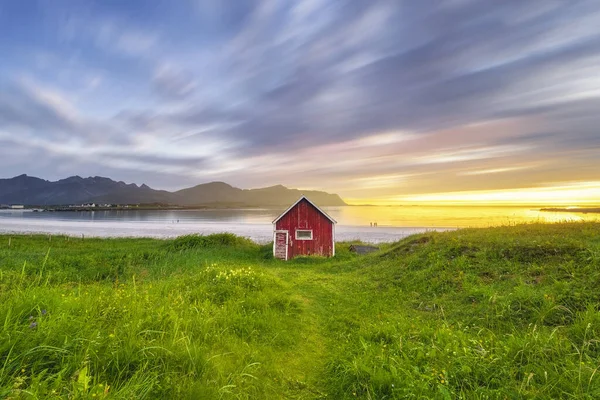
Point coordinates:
[[311, 203]]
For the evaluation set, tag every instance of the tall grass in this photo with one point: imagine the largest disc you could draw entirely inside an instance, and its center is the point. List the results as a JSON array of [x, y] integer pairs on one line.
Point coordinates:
[[509, 312]]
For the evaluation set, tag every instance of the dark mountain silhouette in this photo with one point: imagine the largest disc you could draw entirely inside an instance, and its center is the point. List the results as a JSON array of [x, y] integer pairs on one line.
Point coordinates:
[[33, 191]]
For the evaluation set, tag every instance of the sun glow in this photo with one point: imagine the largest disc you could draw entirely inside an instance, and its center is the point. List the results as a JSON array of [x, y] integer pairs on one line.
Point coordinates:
[[564, 195]]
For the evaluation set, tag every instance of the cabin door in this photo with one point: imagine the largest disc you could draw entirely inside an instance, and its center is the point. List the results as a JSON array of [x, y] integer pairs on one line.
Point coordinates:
[[280, 245]]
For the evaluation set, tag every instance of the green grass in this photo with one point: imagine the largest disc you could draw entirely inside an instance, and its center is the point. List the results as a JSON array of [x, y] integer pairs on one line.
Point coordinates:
[[509, 312]]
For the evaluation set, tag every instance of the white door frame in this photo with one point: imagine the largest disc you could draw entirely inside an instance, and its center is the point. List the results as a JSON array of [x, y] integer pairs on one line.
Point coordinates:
[[287, 239]]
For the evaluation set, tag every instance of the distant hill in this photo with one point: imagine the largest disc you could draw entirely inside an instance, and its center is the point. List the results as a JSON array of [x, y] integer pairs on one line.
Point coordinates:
[[28, 190]]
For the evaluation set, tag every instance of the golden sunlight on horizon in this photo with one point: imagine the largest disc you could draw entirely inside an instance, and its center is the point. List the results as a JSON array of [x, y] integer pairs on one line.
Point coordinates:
[[572, 194]]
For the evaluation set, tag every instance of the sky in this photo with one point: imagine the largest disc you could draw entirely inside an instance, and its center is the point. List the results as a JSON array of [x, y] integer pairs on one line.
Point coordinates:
[[380, 101]]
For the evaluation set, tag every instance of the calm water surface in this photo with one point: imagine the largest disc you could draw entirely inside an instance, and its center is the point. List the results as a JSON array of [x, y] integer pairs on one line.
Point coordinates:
[[354, 222]]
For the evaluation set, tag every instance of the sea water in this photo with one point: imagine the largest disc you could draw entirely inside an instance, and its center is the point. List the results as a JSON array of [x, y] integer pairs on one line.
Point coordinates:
[[354, 222]]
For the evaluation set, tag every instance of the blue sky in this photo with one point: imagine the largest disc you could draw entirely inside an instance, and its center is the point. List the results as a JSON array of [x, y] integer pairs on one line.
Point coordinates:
[[386, 99]]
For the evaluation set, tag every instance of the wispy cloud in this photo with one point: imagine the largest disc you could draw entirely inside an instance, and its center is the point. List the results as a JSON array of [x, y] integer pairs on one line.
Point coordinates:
[[173, 82], [371, 99], [493, 170]]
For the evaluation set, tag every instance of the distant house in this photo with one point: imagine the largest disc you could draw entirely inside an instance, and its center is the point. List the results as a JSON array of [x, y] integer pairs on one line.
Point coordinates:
[[17, 206], [303, 229]]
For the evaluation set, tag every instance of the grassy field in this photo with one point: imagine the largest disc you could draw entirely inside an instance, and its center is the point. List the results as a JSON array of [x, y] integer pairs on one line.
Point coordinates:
[[509, 312]]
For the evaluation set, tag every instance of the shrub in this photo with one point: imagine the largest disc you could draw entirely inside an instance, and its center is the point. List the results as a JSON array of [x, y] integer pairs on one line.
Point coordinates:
[[215, 240]]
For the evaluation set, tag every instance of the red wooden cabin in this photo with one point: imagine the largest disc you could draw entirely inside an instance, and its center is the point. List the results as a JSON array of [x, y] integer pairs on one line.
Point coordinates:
[[303, 229]]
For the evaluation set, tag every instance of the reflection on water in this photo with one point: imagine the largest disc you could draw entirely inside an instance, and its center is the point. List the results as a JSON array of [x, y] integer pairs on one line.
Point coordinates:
[[452, 216], [384, 216]]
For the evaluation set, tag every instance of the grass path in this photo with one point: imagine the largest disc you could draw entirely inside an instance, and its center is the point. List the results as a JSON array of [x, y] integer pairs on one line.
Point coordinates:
[[304, 364], [324, 304]]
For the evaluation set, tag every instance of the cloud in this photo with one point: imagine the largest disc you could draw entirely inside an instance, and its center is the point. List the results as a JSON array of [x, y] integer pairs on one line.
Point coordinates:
[[24, 105], [109, 33], [173, 83], [440, 81], [492, 171], [130, 42], [386, 94]]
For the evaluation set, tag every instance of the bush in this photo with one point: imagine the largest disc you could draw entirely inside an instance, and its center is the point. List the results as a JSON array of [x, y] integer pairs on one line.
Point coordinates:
[[215, 240]]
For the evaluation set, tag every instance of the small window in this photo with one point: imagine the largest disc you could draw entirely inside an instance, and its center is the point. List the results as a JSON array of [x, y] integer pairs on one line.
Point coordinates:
[[303, 235]]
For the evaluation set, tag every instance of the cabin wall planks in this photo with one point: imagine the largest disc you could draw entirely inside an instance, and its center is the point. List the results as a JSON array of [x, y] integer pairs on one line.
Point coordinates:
[[305, 216]]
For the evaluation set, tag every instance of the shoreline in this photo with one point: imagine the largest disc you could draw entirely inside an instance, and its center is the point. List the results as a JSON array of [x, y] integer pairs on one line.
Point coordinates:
[[259, 233], [582, 210]]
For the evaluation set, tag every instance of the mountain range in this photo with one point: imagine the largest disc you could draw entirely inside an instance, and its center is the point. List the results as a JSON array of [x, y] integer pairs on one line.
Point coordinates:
[[32, 191]]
